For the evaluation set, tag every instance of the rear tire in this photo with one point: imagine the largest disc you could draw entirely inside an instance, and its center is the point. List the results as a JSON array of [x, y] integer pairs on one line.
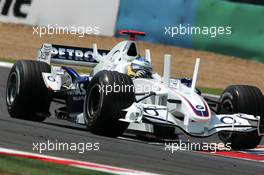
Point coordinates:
[[241, 99], [102, 110], [26, 94]]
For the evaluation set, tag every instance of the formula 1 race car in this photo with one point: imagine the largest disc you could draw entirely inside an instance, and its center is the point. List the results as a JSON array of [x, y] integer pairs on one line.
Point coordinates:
[[123, 90]]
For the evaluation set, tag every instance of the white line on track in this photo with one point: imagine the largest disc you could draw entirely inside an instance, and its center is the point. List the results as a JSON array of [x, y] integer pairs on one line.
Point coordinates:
[[211, 95], [6, 64]]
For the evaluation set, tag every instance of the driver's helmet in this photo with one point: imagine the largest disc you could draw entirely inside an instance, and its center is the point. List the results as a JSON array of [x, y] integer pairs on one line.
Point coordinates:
[[140, 67]]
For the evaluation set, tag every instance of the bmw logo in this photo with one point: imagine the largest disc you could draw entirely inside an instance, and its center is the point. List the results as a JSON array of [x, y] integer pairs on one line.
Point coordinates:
[[199, 107]]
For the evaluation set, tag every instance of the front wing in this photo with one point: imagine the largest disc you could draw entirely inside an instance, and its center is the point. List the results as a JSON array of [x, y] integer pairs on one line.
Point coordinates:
[[159, 115]]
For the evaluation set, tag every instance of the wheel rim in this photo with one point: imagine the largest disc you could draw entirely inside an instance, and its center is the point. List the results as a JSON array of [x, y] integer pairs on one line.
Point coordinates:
[[12, 87], [226, 108], [93, 101]]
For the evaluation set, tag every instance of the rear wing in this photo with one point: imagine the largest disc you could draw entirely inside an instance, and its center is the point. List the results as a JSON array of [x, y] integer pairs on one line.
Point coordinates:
[[69, 55]]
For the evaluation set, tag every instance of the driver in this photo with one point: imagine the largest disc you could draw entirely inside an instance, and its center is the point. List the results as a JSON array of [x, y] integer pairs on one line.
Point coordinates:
[[140, 68]]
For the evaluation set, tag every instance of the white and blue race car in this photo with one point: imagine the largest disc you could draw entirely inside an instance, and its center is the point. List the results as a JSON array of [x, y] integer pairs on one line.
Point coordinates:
[[122, 91]]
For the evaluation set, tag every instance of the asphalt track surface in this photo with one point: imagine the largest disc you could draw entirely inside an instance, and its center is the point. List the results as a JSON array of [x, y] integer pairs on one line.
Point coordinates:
[[139, 155]]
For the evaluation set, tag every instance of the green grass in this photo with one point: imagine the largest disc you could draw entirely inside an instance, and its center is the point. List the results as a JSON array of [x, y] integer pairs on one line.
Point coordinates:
[[10, 165], [9, 60], [213, 91]]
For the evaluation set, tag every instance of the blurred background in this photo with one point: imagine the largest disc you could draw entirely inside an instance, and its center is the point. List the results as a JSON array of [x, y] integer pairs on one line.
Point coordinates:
[[228, 35]]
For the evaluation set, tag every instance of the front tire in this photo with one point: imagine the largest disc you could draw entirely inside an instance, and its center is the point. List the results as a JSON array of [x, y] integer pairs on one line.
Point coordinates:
[[241, 99], [102, 110], [26, 94]]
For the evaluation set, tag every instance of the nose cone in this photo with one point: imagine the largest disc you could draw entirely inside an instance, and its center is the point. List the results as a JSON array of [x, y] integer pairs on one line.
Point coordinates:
[[200, 108], [197, 106]]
